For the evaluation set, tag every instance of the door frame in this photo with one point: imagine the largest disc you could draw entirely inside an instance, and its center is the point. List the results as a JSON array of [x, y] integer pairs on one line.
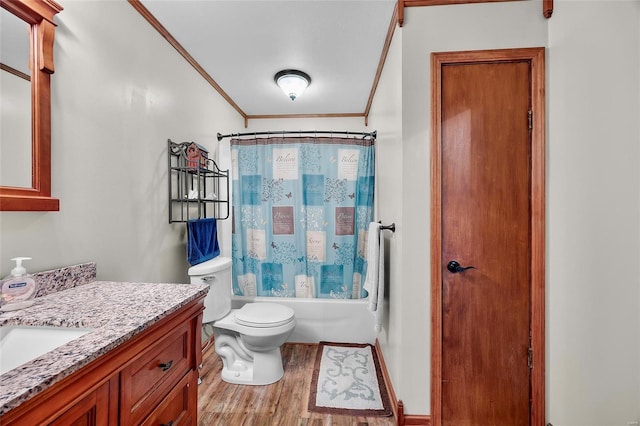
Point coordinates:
[[536, 57]]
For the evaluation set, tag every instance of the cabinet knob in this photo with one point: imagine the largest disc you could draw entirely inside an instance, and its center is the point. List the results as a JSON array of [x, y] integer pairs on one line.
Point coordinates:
[[167, 424], [166, 365]]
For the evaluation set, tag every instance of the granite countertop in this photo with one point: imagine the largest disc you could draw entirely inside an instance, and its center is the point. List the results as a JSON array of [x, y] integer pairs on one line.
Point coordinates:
[[116, 311]]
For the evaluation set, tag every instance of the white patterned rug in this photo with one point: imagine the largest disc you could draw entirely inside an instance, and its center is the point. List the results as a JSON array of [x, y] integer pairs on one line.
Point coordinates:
[[347, 380]]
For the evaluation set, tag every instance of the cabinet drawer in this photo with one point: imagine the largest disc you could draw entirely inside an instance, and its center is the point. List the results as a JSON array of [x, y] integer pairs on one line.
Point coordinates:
[[148, 379], [178, 408]]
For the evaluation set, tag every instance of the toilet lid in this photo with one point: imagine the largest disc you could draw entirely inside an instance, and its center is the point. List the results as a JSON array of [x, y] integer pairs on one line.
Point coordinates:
[[264, 315]]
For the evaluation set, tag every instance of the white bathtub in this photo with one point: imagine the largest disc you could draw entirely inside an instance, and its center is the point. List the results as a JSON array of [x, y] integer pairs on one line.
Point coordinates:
[[331, 320]]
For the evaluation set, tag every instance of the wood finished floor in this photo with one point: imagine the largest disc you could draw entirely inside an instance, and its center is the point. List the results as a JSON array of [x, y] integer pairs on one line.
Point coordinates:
[[283, 403]]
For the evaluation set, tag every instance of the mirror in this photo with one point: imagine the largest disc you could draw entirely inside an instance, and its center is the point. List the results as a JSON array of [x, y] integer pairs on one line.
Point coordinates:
[[15, 102], [27, 186]]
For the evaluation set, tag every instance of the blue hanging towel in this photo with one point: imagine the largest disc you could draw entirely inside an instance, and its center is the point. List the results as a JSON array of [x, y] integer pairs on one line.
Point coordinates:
[[202, 243]]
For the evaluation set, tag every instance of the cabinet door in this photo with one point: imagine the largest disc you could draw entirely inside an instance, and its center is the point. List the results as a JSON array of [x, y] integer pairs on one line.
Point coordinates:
[[92, 410], [179, 408]]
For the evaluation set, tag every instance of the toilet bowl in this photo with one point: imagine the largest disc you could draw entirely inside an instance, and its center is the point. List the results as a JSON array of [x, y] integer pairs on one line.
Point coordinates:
[[247, 339]]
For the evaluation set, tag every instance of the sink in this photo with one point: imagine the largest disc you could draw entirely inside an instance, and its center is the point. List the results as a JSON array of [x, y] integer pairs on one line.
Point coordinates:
[[22, 343]]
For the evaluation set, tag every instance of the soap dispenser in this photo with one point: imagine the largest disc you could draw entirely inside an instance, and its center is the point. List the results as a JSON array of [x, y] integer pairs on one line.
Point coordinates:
[[17, 290]]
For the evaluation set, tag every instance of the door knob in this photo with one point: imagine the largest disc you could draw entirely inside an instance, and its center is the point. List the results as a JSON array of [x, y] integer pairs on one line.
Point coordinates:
[[454, 267]]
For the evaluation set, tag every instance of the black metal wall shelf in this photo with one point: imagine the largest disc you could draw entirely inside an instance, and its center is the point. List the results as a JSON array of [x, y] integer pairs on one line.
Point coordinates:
[[198, 189]]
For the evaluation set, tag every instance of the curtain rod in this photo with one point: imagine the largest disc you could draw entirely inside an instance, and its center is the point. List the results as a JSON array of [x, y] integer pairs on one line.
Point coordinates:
[[300, 132]]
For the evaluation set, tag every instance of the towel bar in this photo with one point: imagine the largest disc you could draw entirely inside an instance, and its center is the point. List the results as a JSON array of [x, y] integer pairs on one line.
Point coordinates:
[[391, 227]]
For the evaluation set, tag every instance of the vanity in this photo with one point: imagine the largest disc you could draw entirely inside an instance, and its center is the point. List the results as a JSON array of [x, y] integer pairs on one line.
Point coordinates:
[[137, 364]]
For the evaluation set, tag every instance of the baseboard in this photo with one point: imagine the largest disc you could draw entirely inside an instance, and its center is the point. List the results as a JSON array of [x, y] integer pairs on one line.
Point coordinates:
[[397, 405]]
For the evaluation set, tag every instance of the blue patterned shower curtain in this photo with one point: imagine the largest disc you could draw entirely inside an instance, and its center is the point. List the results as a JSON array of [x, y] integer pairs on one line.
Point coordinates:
[[301, 210]]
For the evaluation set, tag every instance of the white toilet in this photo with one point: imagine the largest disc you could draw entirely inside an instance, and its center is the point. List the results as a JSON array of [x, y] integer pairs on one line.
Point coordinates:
[[247, 339]]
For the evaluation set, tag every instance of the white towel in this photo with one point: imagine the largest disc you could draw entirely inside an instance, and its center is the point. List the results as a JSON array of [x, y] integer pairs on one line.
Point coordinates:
[[374, 281]]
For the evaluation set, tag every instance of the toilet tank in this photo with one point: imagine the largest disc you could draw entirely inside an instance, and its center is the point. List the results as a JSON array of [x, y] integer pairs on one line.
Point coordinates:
[[217, 274]]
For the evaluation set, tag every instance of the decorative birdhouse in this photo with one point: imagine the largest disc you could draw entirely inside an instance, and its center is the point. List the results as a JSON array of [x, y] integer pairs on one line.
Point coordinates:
[[197, 156]]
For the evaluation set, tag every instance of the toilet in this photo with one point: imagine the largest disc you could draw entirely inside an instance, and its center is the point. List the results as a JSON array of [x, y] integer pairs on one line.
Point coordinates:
[[247, 339]]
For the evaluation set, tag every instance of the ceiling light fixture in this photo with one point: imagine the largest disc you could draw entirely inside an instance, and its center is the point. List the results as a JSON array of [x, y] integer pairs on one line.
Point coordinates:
[[292, 82]]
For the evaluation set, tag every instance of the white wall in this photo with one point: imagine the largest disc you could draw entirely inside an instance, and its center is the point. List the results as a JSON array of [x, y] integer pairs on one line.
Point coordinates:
[[593, 328], [593, 93], [386, 117], [119, 92], [427, 30]]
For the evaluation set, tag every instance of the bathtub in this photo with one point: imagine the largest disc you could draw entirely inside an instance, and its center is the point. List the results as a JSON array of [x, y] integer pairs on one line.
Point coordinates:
[[330, 320]]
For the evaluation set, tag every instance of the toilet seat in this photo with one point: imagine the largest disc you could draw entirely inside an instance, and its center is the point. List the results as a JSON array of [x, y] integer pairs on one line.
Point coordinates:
[[264, 315]]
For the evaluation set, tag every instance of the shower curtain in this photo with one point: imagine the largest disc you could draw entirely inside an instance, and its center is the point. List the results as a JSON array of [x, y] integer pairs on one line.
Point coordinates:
[[301, 210]]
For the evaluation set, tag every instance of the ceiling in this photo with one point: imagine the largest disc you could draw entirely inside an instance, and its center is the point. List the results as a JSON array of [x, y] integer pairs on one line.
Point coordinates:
[[241, 44]]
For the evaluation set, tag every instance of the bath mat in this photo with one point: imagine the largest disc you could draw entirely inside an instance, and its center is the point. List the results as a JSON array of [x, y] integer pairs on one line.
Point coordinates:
[[347, 380]]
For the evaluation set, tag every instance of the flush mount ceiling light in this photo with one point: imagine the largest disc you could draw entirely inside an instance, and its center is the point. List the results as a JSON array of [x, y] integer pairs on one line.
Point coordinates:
[[292, 82]]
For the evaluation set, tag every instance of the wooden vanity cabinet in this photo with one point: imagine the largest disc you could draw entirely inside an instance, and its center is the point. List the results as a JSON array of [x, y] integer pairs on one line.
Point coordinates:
[[150, 379]]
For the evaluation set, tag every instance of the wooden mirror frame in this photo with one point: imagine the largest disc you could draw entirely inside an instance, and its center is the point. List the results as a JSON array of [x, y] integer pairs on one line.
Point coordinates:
[[39, 15]]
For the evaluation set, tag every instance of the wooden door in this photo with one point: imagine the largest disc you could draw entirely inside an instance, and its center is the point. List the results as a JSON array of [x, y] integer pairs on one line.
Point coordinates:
[[487, 196]]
